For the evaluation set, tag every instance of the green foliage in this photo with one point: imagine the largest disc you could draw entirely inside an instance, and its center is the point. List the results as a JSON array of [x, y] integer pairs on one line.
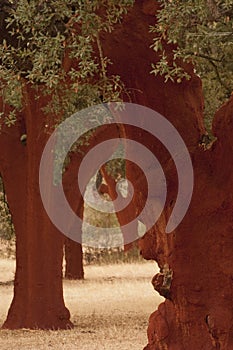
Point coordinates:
[[6, 225], [98, 256], [116, 168], [39, 40], [202, 32], [100, 219], [56, 44]]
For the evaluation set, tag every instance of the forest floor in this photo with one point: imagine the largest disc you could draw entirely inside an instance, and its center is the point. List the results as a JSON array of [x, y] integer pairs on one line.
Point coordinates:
[[110, 309]]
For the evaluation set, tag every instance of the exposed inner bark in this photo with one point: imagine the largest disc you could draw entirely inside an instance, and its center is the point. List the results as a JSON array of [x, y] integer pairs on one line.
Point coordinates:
[[38, 296], [199, 313], [196, 260]]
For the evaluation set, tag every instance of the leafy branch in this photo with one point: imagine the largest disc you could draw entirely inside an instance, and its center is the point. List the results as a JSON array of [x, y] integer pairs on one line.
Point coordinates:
[[37, 38], [202, 33]]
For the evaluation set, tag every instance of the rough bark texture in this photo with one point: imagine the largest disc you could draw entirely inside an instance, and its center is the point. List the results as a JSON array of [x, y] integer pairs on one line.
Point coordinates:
[[38, 296], [196, 260], [199, 314]]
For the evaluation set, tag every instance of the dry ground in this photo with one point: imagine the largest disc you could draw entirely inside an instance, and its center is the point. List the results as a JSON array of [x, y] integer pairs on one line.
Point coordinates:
[[110, 310]]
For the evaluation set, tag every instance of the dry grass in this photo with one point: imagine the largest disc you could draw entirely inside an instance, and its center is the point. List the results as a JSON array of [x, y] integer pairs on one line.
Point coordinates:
[[110, 310]]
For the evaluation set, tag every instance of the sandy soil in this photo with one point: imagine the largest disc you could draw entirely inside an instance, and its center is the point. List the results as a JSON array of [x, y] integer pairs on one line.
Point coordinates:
[[110, 310]]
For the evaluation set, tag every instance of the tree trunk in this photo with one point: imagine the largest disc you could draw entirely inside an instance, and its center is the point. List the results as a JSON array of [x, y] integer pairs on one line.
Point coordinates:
[[73, 248], [74, 260], [196, 259], [198, 312], [38, 295]]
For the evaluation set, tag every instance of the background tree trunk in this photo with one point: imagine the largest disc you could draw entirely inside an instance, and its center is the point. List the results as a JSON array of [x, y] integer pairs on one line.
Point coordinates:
[[74, 260], [73, 248]]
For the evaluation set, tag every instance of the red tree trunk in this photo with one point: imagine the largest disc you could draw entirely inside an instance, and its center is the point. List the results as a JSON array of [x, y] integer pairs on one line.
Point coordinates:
[[196, 260], [72, 249], [199, 312], [38, 295], [74, 260]]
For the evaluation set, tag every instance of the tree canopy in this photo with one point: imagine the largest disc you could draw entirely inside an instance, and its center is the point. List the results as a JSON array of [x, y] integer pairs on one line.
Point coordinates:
[[202, 31], [56, 43]]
